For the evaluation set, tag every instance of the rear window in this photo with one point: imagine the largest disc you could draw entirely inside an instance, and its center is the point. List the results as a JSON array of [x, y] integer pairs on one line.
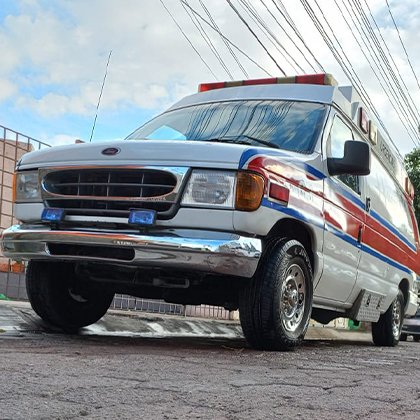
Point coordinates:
[[282, 124]]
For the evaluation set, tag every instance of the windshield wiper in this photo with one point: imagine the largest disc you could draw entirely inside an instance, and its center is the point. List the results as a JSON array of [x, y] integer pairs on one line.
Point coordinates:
[[237, 140]]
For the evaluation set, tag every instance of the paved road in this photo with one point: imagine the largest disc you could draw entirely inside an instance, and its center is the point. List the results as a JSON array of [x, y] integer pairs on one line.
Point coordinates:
[[118, 375]]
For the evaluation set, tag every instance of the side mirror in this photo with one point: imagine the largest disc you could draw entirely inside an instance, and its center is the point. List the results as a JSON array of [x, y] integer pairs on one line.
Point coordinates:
[[356, 160]]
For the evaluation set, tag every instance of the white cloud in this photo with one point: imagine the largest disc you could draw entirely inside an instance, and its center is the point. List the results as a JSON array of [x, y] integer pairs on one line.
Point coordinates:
[[59, 139], [7, 89], [54, 53]]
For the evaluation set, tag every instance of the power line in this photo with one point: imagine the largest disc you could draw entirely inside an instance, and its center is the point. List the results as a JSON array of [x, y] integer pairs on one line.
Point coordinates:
[[407, 111], [402, 43], [362, 36], [255, 35], [353, 78], [259, 21], [342, 64], [227, 39], [283, 11], [287, 34], [207, 40], [224, 40], [189, 41], [389, 73], [390, 55]]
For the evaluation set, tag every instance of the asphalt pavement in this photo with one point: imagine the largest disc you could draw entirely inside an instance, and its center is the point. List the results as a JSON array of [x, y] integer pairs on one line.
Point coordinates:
[[17, 316], [132, 366]]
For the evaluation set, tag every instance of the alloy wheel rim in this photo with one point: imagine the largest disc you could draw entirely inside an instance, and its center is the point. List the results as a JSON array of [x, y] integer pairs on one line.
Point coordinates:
[[396, 318], [292, 298]]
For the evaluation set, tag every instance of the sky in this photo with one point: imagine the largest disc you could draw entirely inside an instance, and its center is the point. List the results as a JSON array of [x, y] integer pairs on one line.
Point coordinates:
[[54, 54]]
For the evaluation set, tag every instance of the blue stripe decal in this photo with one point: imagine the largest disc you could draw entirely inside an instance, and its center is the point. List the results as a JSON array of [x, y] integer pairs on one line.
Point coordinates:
[[365, 248], [376, 254], [335, 231], [392, 229], [249, 153], [318, 222], [344, 236], [347, 194]]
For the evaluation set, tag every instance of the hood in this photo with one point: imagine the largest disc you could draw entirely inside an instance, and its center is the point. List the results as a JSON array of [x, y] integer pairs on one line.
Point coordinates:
[[139, 152]]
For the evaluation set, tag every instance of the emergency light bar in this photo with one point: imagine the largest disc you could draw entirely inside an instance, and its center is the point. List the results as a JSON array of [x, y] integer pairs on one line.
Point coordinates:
[[307, 79]]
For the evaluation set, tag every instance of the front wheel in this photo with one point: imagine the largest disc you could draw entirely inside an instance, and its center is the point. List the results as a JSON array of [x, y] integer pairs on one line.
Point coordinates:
[[61, 298], [276, 306], [386, 332]]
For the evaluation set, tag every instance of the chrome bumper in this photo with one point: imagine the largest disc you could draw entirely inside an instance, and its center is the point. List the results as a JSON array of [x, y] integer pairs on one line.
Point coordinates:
[[211, 252]]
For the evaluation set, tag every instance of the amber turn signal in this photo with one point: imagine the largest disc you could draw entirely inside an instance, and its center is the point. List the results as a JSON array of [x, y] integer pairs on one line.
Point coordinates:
[[249, 191]]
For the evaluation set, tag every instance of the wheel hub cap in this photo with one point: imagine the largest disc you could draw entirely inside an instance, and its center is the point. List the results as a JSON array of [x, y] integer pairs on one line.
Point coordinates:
[[396, 318], [292, 298]]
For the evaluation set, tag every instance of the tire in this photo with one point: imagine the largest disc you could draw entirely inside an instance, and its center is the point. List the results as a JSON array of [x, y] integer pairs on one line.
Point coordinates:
[[386, 332], [276, 306], [416, 338], [403, 337], [61, 299]]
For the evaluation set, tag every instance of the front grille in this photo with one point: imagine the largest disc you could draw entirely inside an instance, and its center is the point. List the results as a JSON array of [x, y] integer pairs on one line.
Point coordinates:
[[109, 192]]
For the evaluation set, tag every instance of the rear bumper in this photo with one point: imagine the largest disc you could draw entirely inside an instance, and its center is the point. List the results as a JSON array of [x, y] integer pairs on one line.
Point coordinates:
[[205, 251], [411, 326]]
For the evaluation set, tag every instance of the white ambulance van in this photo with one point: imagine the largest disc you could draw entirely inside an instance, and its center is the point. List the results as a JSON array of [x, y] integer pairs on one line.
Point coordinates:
[[279, 197]]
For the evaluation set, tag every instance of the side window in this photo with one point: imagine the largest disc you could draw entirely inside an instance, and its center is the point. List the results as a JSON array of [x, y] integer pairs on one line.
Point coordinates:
[[388, 200], [340, 133]]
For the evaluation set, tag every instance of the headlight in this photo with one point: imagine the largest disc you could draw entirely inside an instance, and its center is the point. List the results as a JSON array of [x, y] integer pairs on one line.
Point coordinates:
[[210, 189], [222, 189], [26, 187]]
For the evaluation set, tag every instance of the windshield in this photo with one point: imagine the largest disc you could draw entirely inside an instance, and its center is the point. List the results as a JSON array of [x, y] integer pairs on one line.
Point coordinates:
[[281, 124]]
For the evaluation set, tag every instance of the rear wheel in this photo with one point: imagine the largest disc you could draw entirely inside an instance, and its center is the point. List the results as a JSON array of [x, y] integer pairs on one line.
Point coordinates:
[[275, 308], [386, 332], [61, 298], [403, 337], [416, 338]]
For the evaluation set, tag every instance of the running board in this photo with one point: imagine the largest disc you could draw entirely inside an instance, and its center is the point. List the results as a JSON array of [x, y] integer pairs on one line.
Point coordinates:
[[368, 306]]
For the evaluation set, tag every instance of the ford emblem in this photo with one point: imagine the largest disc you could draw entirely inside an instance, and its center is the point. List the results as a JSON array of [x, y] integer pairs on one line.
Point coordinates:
[[111, 151]]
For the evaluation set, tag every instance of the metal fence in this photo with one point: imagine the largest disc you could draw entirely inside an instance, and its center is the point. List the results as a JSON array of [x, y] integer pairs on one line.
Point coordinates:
[[13, 146], [130, 303]]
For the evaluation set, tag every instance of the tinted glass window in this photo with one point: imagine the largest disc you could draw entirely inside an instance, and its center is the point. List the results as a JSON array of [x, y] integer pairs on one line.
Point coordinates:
[[283, 124], [340, 133], [388, 200]]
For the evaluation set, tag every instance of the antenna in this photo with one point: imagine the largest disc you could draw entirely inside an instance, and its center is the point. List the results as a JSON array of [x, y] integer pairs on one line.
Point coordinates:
[[100, 96]]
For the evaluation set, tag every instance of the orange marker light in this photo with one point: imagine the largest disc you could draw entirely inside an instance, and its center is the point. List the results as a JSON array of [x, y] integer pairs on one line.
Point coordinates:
[[249, 191]]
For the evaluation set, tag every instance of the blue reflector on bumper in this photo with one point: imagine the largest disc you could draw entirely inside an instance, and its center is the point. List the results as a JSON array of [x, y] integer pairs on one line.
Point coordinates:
[[52, 215], [142, 217]]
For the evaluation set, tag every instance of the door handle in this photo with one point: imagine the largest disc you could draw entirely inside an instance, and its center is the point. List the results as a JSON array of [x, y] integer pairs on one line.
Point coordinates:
[[359, 236], [367, 204]]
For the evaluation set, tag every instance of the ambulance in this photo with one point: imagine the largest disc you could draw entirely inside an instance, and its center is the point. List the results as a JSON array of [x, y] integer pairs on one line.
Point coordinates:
[[280, 197]]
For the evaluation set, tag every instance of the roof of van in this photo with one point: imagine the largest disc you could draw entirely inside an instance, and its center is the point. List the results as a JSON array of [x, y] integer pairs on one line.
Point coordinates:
[[344, 97]]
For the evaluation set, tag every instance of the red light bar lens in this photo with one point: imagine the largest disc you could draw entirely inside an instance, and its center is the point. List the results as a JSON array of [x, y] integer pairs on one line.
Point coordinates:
[[364, 121], [268, 81], [211, 86], [311, 79]]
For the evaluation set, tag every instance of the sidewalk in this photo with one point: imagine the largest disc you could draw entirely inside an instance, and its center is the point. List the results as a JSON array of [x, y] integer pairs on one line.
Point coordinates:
[[126, 323]]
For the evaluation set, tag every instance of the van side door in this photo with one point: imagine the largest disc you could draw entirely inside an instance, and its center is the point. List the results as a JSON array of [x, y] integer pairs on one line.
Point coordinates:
[[344, 217], [388, 239]]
